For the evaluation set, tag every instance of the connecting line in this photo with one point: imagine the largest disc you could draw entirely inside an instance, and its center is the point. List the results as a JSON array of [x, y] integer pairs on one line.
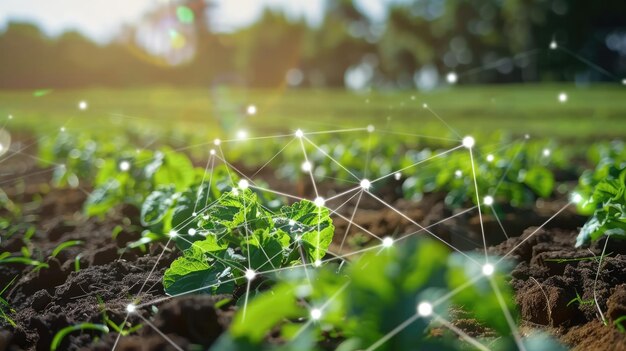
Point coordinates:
[[306, 158], [331, 158], [534, 232], [272, 159], [497, 63], [459, 332], [493, 210], [423, 228], [595, 282], [277, 192], [344, 193], [457, 290], [416, 163], [507, 315], [508, 168], [436, 223], [160, 332], [337, 131], [159, 300], [480, 214], [345, 235], [210, 161], [393, 332], [588, 63], [231, 140], [444, 122]]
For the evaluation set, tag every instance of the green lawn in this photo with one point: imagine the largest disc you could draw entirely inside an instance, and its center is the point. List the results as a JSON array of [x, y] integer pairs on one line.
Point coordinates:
[[593, 111]]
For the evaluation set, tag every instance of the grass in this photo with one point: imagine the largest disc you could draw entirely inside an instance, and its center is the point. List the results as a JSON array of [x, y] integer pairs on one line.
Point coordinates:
[[590, 112]]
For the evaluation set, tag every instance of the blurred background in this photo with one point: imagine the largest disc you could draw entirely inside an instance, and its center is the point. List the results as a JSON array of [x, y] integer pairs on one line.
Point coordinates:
[[353, 44]]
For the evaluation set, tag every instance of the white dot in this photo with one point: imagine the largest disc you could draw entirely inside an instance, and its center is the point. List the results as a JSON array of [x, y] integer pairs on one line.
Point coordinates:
[[195, 213], [191, 232], [216, 142], [251, 110], [250, 274], [212, 152], [451, 77], [546, 152], [562, 97], [235, 191], [576, 198], [397, 176], [387, 241], [83, 105], [62, 129], [424, 309], [11, 116], [307, 166], [319, 201], [458, 173], [623, 82], [488, 200], [317, 263], [526, 136], [173, 233], [130, 308], [490, 158], [243, 184], [425, 105], [124, 166], [370, 128], [553, 45], [242, 134], [1, 148], [468, 142], [316, 314], [299, 133], [488, 269], [365, 184]]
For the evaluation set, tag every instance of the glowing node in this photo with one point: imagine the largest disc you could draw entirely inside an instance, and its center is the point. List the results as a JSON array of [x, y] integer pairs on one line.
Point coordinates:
[[216, 142], [452, 77], [553, 45], [1, 148], [173, 233], [316, 314], [250, 274], [488, 200], [243, 184], [490, 158], [370, 128], [130, 308], [212, 151], [425, 105], [307, 166], [562, 97], [83, 105], [397, 175], [299, 133], [235, 192], [62, 129], [546, 152], [317, 263], [424, 309], [366, 184], [194, 214], [388, 241], [124, 166], [526, 136], [191, 232], [251, 110], [488, 269], [576, 198], [11, 116], [458, 173], [623, 82], [242, 134], [319, 201], [468, 142]]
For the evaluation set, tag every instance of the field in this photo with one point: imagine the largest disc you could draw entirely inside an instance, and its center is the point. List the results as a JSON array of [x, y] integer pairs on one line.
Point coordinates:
[[478, 217]]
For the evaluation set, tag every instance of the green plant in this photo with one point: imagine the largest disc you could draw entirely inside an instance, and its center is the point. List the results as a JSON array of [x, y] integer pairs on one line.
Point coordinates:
[[61, 334], [237, 235], [578, 299], [6, 257], [5, 307], [609, 218]]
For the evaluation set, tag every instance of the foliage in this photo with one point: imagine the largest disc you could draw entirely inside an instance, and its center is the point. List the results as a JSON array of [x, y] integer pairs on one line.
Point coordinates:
[[61, 334], [237, 233], [609, 217], [5, 307]]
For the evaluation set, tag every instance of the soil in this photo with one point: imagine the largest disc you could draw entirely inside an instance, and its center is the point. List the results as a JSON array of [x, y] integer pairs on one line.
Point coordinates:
[[111, 275]]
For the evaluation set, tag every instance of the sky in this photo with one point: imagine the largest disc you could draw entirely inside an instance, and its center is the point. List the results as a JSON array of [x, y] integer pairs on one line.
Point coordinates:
[[100, 19]]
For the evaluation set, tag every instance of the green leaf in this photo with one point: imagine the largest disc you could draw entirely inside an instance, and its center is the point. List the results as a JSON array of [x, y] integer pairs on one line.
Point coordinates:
[[156, 205], [540, 180], [176, 170], [309, 224]]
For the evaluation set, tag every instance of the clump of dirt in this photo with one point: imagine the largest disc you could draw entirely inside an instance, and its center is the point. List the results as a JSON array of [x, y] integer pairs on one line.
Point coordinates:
[[556, 286]]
